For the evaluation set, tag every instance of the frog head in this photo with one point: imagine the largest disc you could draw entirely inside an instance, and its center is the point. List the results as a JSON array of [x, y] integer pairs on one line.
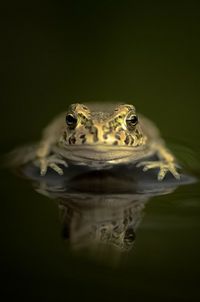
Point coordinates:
[[118, 126]]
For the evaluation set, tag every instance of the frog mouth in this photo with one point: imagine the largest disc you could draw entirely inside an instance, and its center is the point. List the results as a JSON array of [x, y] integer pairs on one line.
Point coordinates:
[[102, 153]]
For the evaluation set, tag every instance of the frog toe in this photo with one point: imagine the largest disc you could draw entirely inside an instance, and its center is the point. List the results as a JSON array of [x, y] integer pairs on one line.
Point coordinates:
[[162, 173], [51, 162], [43, 167], [174, 172], [56, 168], [147, 165], [164, 168]]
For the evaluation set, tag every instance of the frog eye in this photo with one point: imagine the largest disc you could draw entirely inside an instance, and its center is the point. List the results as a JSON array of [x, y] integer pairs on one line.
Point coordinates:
[[132, 120], [71, 120]]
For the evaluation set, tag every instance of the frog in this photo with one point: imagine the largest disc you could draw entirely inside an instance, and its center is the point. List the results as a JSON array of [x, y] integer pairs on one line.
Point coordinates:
[[101, 136]]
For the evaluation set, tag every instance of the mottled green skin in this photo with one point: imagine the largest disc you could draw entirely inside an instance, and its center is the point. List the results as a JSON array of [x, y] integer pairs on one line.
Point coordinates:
[[98, 127]]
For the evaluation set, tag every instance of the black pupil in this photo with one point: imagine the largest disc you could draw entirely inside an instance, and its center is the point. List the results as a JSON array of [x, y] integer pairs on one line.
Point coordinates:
[[70, 120], [133, 119]]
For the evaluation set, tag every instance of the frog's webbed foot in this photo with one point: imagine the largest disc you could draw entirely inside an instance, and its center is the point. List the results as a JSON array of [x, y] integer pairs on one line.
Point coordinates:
[[52, 162], [162, 165]]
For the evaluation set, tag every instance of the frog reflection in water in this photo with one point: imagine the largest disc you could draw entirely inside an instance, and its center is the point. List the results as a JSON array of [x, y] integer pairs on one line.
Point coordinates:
[[112, 222], [102, 136], [101, 208], [99, 221]]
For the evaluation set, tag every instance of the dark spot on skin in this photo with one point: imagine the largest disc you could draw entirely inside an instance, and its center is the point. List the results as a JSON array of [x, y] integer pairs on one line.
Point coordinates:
[[111, 127], [105, 136], [117, 136], [95, 139], [83, 118], [115, 143], [94, 131], [127, 140], [132, 140], [82, 136], [116, 122], [72, 140]]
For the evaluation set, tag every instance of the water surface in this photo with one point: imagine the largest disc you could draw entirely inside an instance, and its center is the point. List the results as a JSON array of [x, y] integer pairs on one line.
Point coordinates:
[[128, 235]]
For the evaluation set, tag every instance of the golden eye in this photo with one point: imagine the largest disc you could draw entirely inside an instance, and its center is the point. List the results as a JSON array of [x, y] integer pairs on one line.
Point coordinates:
[[71, 120], [132, 120]]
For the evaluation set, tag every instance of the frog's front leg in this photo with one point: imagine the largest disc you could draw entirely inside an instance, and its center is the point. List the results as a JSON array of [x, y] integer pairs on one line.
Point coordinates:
[[44, 159], [166, 162], [44, 156]]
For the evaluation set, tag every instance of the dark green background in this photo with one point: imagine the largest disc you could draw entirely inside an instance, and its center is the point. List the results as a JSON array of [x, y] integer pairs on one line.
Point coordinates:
[[141, 52], [52, 54]]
